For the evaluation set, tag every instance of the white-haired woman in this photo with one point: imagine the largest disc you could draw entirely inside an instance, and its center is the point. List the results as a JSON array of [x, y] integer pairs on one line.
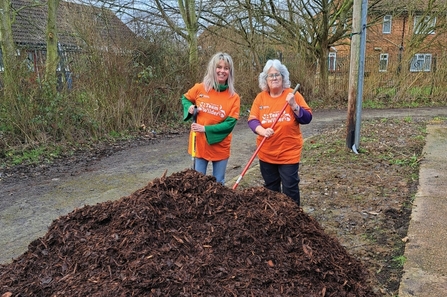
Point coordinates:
[[279, 157], [218, 107]]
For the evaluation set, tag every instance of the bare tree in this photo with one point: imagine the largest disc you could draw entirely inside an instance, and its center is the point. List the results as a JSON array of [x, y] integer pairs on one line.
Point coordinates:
[[236, 23], [10, 61], [8, 50], [181, 17], [311, 27], [52, 40], [307, 28]]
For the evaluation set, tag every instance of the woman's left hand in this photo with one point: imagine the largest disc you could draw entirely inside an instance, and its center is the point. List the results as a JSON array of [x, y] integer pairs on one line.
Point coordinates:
[[291, 101]]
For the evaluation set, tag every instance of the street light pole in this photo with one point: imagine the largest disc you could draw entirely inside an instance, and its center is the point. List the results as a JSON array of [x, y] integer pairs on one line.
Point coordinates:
[[353, 70], [356, 74], [361, 76]]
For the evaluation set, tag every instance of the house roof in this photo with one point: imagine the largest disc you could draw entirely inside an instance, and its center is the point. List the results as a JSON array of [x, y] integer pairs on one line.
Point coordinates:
[[76, 24]]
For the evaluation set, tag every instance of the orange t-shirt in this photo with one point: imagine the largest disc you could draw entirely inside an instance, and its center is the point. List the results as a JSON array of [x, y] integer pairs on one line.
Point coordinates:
[[214, 107], [284, 146]]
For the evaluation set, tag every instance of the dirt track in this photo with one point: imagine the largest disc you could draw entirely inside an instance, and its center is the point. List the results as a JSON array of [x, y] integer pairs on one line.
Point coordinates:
[[29, 205]]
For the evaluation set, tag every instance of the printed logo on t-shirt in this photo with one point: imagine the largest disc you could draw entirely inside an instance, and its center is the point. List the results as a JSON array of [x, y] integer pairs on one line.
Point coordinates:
[[269, 118], [204, 96], [264, 107], [212, 108]]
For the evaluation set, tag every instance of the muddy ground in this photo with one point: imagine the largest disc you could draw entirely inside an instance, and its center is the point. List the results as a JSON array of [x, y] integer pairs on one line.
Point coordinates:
[[363, 200]]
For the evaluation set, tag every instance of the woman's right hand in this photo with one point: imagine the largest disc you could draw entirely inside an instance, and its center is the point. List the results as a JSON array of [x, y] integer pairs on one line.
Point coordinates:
[[264, 132], [268, 132], [191, 109]]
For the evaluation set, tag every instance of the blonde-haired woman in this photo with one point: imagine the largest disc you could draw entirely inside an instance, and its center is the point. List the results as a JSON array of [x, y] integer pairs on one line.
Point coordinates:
[[218, 107]]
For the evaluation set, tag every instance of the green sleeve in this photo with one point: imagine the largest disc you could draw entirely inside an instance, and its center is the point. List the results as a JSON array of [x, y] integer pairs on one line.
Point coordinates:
[[217, 133], [186, 104]]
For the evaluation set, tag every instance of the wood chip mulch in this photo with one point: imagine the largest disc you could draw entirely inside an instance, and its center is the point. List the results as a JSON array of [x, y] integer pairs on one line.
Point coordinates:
[[186, 235]]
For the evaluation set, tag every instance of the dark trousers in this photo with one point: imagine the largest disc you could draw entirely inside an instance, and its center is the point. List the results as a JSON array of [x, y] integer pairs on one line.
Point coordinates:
[[282, 176]]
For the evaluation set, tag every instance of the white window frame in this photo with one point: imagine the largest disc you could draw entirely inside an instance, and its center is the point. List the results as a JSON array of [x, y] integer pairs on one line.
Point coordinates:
[[383, 62], [387, 22], [332, 60], [421, 63], [424, 24]]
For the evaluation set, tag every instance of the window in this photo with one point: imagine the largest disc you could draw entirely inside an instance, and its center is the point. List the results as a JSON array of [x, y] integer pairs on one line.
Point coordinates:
[[30, 61], [424, 24], [386, 29], [383, 63], [336, 25], [333, 28], [332, 61], [421, 62]]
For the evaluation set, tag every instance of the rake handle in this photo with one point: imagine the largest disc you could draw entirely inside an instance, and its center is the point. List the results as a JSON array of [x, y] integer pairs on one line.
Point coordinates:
[[193, 143]]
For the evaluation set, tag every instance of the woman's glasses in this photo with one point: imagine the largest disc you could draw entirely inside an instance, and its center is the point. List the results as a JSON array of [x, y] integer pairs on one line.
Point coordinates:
[[273, 75]]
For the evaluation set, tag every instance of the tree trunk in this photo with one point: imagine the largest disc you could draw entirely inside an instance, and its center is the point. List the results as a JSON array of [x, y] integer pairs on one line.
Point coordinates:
[[193, 53], [324, 68], [190, 18], [8, 48], [52, 40]]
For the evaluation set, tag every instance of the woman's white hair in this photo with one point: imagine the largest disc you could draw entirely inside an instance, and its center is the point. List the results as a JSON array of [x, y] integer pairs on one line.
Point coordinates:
[[278, 66], [210, 79]]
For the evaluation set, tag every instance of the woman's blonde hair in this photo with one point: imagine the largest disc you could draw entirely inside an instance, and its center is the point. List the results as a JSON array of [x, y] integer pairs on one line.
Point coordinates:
[[210, 78]]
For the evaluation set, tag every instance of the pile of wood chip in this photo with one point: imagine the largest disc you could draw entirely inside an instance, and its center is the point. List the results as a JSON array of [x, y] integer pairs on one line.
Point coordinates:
[[186, 235]]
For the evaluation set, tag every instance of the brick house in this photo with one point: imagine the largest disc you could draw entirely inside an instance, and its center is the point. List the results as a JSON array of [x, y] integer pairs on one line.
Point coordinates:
[[410, 40], [400, 40], [75, 24]]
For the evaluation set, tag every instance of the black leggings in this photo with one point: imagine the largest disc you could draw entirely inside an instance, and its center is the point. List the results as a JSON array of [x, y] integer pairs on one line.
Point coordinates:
[[285, 176]]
